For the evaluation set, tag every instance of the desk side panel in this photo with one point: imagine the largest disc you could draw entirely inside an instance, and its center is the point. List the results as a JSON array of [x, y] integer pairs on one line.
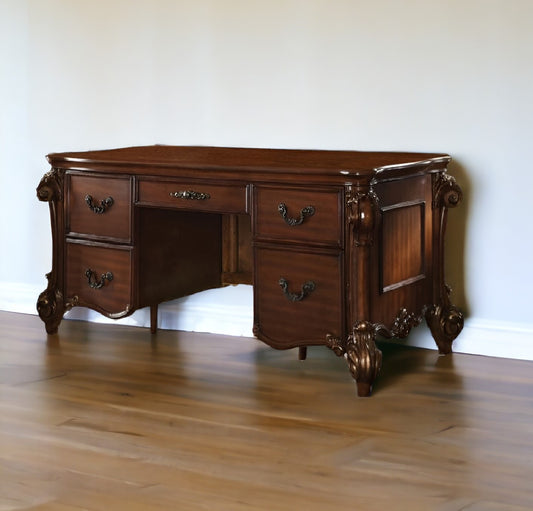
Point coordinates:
[[402, 252]]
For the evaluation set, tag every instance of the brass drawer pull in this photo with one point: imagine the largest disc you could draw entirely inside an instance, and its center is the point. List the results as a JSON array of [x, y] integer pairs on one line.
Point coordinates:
[[304, 213], [307, 288], [93, 279], [190, 195], [105, 204]]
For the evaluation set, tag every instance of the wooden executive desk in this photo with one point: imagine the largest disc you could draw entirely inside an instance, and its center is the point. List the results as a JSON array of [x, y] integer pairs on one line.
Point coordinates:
[[340, 246]]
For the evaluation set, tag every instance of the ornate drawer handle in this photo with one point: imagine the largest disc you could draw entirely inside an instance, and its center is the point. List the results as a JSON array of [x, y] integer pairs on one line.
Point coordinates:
[[105, 204], [307, 288], [93, 279], [304, 213], [190, 195]]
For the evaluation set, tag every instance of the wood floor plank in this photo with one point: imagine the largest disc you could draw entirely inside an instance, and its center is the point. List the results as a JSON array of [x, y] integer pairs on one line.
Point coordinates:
[[105, 417]]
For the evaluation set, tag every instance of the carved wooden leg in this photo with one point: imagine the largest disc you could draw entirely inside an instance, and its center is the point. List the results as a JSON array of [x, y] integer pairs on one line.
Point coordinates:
[[49, 311], [153, 318], [445, 322], [51, 307], [302, 352], [363, 356]]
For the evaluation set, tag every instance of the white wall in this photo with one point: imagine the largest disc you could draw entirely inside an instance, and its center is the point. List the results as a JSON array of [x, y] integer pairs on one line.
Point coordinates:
[[424, 75]]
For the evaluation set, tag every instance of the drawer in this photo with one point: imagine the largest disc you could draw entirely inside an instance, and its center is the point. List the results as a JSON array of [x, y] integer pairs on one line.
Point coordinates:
[[99, 207], [298, 214], [100, 277], [187, 195], [297, 297]]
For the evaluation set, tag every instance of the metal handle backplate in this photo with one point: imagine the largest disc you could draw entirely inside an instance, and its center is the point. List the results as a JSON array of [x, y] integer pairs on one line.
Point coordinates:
[[190, 195]]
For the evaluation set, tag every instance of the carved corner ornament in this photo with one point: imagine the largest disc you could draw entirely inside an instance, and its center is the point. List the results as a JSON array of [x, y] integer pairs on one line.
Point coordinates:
[[403, 324], [335, 344], [362, 215], [51, 186], [446, 193]]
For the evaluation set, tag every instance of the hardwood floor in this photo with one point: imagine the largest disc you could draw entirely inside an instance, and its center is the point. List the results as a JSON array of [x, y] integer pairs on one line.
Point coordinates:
[[106, 417]]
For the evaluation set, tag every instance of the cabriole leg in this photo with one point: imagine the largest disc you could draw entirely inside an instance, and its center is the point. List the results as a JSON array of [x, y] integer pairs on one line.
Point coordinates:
[[50, 309], [363, 356], [445, 322]]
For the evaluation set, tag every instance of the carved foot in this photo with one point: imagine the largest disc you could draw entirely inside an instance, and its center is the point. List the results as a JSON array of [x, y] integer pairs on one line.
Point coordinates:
[[445, 323], [51, 307], [363, 356]]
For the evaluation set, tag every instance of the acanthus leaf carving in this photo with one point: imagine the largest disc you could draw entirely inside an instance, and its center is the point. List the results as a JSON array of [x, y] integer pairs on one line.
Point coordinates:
[[335, 344], [363, 356], [51, 186], [402, 325]]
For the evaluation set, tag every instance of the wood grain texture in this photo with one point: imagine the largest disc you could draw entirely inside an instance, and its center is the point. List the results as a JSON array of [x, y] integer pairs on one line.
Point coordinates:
[[114, 223], [99, 418], [304, 162]]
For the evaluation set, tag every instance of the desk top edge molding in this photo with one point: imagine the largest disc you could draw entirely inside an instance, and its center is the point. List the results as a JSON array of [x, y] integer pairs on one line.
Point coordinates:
[[337, 165]]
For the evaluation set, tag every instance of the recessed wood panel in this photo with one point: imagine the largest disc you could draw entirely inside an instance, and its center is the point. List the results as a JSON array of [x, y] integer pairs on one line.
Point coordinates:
[[402, 245]]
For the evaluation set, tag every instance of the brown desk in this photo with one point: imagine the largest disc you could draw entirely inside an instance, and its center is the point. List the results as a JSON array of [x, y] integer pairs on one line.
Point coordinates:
[[341, 246]]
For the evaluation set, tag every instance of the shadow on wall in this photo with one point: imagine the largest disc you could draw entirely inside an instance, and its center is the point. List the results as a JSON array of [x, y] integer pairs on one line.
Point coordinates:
[[455, 239]]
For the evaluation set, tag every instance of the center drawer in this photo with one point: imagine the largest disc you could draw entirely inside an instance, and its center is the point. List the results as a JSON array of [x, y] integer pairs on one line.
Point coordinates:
[[204, 196], [298, 214]]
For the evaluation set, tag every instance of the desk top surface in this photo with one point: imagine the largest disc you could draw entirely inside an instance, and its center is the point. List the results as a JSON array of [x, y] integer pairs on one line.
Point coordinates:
[[300, 161]]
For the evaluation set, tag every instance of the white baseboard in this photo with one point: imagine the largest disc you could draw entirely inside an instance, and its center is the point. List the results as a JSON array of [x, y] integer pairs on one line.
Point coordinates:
[[226, 311], [229, 311]]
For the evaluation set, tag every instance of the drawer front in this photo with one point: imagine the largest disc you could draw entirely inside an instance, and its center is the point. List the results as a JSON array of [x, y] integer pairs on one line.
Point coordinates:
[[193, 196], [100, 277], [297, 297], [99, 206], [298, 215]]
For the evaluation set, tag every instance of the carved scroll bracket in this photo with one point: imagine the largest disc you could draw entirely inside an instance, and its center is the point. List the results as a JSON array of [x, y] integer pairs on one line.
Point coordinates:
[[362, 206], [51, 186], [446, 192]]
